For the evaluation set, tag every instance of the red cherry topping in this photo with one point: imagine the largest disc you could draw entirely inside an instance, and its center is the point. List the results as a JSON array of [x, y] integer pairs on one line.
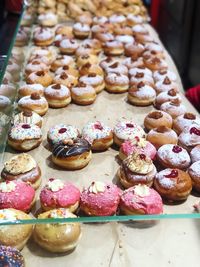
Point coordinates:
[[194, 130], [142, 156], [173, 174], [62, 130], [129, 125], [137, 138], [51, 179], [98, 126], [26, 126], [176, 149]]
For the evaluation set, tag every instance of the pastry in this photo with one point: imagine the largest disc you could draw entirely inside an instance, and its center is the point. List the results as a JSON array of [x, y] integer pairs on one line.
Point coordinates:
[[156, 119], [85, 50], [65, 79], [93, 44], [47, 19], [122, 30], [57, 95], [82, 60], [81, 31], [184, 121], [68, 46], [10, 256], [134, 20], [140, 78], [42, 77], [116, 82], [5, 104], [139, 30], [94, 80], [155, 63], [21, 38], [58, 194], [35, 66], [91, 68], [194, 172], [22, 167], [85, 18], [167, 96], [116, 68], [7, 89], [174, 108], [160, 75], [104, 36], [69, 70], [43, 36], [109, 61], [100, 20], [133, 50], [165, 85], [125, 39], [100, 199], [65, 30], [190, 137], [140, 70], [28, 89], [195, 154], [113, 48], [62, 60], [83, 94]]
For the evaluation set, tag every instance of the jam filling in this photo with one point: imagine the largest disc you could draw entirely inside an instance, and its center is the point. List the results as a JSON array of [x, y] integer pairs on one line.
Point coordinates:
[[142, 156], [26, 126], [40, 73], [189, 116], [62, 130], [98, 126], [65, 67], [176, 149], [51, 179], [173, 174], [194, 130], [129, 125]]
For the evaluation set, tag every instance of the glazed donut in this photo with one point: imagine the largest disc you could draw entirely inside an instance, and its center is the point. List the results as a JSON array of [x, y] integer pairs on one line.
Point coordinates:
[[173, 184], [83, 94], [22, 167], [113, 48], [98, 135], [65, 79], [28, 117], [165, 85], [72, 154], [68, 70], [48, 19], [136, 169], [82, 60], [94, 80], [61, 237], [184, 121], [10, 256], [133, 50], [57, 95], [43, 36], [116, 68], [140, 199], [80, 30], [68, 46], [162, 135], [194, 172], [116, 83], [167, 96], [157, 118], [62, 61], [100, 199], [42, 77], [14, 235], [91, 68], [28, 89], [160, 75], [173, 156], [35, 66], [24, 137], [35, 103], [190, 137], [174, 108], [17, 195], [132, 19], [195, 154], [127, 130], [61, 132], [57, 194]]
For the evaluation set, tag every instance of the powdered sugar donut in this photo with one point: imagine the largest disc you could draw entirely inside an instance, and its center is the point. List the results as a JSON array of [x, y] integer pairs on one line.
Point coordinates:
[[98, 135], [93, 44], [34, 66], [57, 95], [28, 117], [100, 20], [165, 85], [139, 29], [141, 77], [116, 83], [65, 79], [190, 137], [84, 59], [154, 62], [68, 69], [131, 63], [43, 36], [48, 19], [68, 46], [113, 48], [107, 62], [94, 80], [138, 71], [125, 39], [133, 50], [134, 19], [62, 61], [174, 108], [184, 121], [5, 103], [42, 77], [194, 172], [195, 154], [81, 30], [117, 19], [160, 75], [167, 96], [83, 94], [28, 89], [91, 68], [116, 68]]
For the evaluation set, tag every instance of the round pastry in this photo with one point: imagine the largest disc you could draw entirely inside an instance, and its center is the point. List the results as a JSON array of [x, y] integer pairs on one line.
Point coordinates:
[[57, 194], [100, 199], [44, 54], [155, 63], [91, 68], [68, 46], [22, 167], [98, 135], [28, 89], [125, 39], [5, 103], [116, 68], [62, 61], [94, 80], [140, 70], [65, 30], [190, 137], [140, 199], [173, 184], [132, 63], [10, 256], [116, 83], [160, 75], [24, 137], [35, 66], [139, 145], [122, 30], [184, 121], [141, 78], [27, 19], [165, 85], [195, 154], [14, 69], [59, 38], [17, 195], [85, 18], [141, 95], [65, 79], [118, 19], [14, 235], [162, 135], [83, 94], [57, 95], [139, 30], [167, 96], [43, 36], [157, 53], [35, 103], [156, 48], [7, 89], [42, 77], [48, 19], [136, 169], [93, 44], [113, 48], [72, 154], [194, 172], [133, 50], [132, 19], [173, 156], [101, 20], [174, 108], [85, 50], [108, 61], [62, 237], [68, 70], [21, 38], [157, 118], [82, 60], [143, 38], [81, 30], [127, 130]]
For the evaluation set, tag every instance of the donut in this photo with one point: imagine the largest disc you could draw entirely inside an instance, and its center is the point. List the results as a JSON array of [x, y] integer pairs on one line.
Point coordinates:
[[116, 83], [94, 80], [162, 135], [57, 95], [83, 94], [184, 121], [93, 44], [173, 184], [98, 135], [100, 20], [173, 107], [59, 38], [153, 50], [139, 145], [143, 38], [35, 103], [17, 195], [42, 77], [91, 68], [85, 50], [117, 19], [116, 68], [194, 172], [44, 54], [22, 167], [28, 117], [190, 137], [100, 199], [43, 36], [14, 235], [48, 19], [7, 89], [140, 200], [122, 30], [104, 36], [133, 50], [68, 70], [195, 154], [65, 79], [10, 256], [127, 130], [60, 132], [131, 63], [140, 78], [155, 119], [155, 63], [140, 70], [62, 60], [61, 237], [133, 19], [107, 62], [113, 48], [21, 38], [72, 154], [160, 75], [27, 19], [82, 60], [68, 46], [57, 194], [28, 89], [165, 85], [167, 96], [35, 66], [136, 169], [125, 39], [141, 94], [80, 30], [24, 137], [139, 29], [5, 104], [85, 18], [14, 69], [65, 30]]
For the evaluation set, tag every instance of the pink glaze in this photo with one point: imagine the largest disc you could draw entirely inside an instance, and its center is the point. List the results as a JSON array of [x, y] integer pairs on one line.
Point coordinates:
[[21, 198], [128, 147], [150, 204], [102, 203], [63, 198]]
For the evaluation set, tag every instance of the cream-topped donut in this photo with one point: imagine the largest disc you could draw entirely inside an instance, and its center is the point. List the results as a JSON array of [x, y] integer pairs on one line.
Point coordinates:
[[57, 95], [81, 30], [68, 46], [174, 108], [125, 39], [139, 29], [34, 66], [28, 117], [141, 70], [61, 61], [116, 83], [190, 137], [133, 50], [154, 46], [68, 69], [24, 137], [94, 80], [85, 50], [116, 68], [167, 96], [91, 68], [48, 19], [28, 89], [113, 48], [195, 154], [160, 75], [100, 20], [87, 58], [58, 38], [43, 36], [65, 79], [184, 121], [117, 19], [61, 132], [98, 135], [108, 61], [93, 44], [127, 130], [133, 19], [165, 85], [83, 94], [194, 172]]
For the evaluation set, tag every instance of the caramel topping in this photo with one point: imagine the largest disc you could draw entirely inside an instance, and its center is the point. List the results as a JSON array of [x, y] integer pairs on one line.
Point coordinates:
[[85, 56], [64, 76], [65, 67], [155, 115], [114, 65], [56, 86], [153, 52], [189, 116], [175, 102], [40, 73], [35, 96], [155, 60], [163, 129], [27, 113], [139, 75], [92, 75], [166, 81], [172, 92], [141, 84], [108, 59], [162, 72], [87, 65]]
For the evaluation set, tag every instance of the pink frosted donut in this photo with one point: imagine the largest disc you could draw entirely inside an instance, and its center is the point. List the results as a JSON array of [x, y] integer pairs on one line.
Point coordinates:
[[139, 145], [17, 195], [190, 137], [59, 194], [195, 154], [100, 199], [140, 199]]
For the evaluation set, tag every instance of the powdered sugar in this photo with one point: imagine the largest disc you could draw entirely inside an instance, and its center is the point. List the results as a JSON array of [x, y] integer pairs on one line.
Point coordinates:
[[27, 100], [144, 92], [90, 80], [165, 182], [83, 90], [61, 92], [195, 153], [81, 27], [125, 39], [160, 75], [134, 71], [69, 43], [195, 169], [114, 78]]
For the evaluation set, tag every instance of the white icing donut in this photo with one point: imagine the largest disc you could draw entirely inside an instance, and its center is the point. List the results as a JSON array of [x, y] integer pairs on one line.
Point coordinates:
[[128, 130], [24, 131]]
